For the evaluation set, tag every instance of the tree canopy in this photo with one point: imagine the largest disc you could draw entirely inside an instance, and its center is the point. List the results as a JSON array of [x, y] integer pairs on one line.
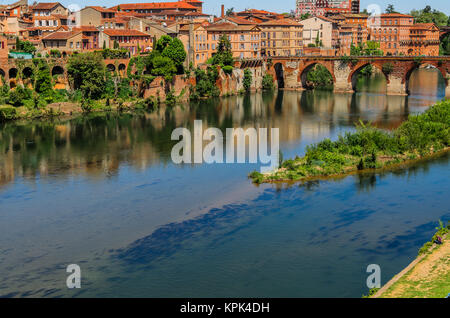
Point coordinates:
[[428, 15], [224, 55], [87, 72]]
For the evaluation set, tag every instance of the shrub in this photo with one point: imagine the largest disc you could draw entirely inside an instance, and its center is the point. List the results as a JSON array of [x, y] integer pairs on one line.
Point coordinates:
[[247, 79], [55, 53], [267, 82], [228, 69], [7, 113]]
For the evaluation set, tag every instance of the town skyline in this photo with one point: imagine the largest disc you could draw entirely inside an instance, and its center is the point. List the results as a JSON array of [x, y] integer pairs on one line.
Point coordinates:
[[213, 6]]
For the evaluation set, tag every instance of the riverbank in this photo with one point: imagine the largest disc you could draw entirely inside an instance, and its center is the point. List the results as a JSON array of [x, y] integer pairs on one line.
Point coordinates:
[[428, 276], [420, 137], [73, 109]]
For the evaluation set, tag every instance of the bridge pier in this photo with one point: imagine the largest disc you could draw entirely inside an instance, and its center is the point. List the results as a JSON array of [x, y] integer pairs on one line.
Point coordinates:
[[341, 74], [447, 89], [396, 86]]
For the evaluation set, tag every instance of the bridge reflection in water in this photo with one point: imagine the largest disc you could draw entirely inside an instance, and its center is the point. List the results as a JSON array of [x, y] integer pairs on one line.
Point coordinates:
[[97, 145], [290, 72], [82, 190]]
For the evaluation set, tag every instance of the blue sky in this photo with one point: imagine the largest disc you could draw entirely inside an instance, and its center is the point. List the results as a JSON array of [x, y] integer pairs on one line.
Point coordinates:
[[213, 6]]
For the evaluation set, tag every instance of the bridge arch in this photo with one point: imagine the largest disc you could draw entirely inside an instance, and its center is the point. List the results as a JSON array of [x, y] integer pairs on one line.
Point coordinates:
[[27, 72], [279, 74], [356, 70], [122, 69], [12, 73], [57, 70], [303, 73], [408, 74], [2, 73], [111, 68]]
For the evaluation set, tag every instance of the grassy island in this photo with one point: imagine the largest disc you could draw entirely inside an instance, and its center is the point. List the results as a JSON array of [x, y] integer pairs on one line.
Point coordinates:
[[419, 137]]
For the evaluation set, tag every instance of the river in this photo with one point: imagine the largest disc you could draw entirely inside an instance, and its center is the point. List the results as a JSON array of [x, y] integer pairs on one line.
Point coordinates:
[[101, 191]]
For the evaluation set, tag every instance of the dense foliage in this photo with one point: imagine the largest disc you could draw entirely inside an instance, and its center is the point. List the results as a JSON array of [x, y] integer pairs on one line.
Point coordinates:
[[224, 55], [370, 148], [248, 78], [87, 73], [370, 48], [428, 15], [268, 82], [319, 77], [25, 46]]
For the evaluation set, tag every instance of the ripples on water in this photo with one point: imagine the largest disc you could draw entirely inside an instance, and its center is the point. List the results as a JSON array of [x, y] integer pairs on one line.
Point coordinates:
[[100, 191]]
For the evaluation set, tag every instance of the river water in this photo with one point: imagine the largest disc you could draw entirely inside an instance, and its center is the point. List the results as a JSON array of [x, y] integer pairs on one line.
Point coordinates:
[[102, 192]]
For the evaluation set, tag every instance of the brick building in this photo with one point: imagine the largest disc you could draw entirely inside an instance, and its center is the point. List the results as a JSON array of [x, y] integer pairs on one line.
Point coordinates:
[[325, 7], [281, 37], [390, 30], [423, 40], [132, 40]]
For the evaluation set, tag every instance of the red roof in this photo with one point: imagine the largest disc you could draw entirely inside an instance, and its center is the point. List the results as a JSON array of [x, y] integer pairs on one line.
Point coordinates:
[[101, 9], [85, 28], [155, 5], [285, 22], [45, 5], [116, 32], [60, 35]]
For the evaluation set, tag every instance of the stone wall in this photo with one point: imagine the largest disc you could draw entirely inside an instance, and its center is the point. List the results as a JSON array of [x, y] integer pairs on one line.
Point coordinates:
[[228, 84]]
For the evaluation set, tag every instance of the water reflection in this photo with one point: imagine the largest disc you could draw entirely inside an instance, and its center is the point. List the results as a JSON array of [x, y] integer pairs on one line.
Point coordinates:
[[101, 191], [98, 144]]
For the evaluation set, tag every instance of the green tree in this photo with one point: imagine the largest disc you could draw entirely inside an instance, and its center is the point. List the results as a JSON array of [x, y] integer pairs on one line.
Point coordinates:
[[427, 15], [229, 12], [43, 84], [248, 78], [163, 43], [390, 9], [87, 74], [176, 52], [372, 48], [25, 46], [224, 55], [164, 66]]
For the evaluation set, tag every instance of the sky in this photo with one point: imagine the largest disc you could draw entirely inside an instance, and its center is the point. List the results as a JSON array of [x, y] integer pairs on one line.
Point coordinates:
[[213, 6]]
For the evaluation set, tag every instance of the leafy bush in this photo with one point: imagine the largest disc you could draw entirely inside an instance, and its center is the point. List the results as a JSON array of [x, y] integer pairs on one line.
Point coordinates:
[[267, 82], [228, 69], [248, 79], [18, 96], [55, 53], [7, 113]]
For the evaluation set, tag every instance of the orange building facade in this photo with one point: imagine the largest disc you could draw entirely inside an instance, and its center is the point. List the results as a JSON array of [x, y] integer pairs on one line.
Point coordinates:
[[423, 40]]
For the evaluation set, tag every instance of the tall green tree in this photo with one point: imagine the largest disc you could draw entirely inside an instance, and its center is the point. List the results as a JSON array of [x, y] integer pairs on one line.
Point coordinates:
[[164, 66], [87, 73], [428, 15], [224, 55], [390, 9], [43, 83], [176, 52]]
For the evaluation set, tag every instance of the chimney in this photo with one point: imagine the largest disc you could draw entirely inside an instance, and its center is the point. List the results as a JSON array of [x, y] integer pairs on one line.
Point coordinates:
[[223, 11]]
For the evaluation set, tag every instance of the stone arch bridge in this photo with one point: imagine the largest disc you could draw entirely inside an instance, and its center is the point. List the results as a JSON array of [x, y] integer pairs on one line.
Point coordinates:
[[18, 71], [290, 72]]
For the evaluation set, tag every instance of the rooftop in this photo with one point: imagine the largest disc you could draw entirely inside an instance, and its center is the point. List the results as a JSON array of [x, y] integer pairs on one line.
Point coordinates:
[[116, 32]]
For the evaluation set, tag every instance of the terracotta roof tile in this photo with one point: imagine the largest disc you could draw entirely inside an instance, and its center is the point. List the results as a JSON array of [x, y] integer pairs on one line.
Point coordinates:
[[154, 5], [101, 9], [116, 32], [44, 5]]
